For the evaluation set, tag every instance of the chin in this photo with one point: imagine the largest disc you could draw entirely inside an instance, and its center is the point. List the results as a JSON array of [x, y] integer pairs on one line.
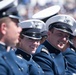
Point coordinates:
[[32, 52], [17, 41]]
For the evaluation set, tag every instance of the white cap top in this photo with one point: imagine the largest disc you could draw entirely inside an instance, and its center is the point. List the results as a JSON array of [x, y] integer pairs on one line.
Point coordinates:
[[50, 11], [5, 3], [62, 18], [5, 7], [33, 23], [74, 29]]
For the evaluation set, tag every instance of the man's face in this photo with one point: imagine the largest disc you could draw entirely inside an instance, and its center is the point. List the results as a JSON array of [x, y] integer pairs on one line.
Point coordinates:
[[29, 45], [58, 38], [12, 33]]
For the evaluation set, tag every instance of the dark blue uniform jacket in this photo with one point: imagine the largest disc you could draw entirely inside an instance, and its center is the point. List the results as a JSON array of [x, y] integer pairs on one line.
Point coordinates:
[[34, 68], [10, 64], [70, 57], [50, 59]]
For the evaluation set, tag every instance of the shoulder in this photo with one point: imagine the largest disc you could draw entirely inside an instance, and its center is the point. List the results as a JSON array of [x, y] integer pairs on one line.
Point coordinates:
[[43, 49], [43, 55], [69, 51]]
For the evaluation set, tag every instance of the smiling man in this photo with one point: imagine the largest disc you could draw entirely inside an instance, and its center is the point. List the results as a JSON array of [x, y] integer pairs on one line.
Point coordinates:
[[28, 42], [50, 57]]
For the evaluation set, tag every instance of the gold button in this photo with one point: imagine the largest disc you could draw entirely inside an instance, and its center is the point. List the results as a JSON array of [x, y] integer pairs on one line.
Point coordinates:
[[5, 58], [22, 68], [42, 71], [38, 71], [38, 66], [19, 69]]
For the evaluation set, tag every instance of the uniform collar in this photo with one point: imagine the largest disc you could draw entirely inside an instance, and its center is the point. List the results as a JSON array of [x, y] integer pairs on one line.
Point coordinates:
[[22, 54], [2, 43], [50, 48], [3, 48]]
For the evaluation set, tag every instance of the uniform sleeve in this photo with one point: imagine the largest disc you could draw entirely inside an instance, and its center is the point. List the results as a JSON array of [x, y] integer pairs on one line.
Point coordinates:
[[70, 57], [3, 69], [43, 59]]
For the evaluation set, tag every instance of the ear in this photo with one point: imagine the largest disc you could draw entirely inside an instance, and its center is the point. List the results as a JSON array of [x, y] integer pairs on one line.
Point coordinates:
[[48, 33], [3, 28]]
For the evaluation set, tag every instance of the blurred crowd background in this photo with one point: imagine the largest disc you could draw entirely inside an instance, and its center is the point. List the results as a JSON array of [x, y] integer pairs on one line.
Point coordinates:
[[26, 8]]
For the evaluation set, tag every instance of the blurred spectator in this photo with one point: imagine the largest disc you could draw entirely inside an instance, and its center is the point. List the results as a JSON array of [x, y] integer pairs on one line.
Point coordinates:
[[23, 1], [22, 11], [34, 6]]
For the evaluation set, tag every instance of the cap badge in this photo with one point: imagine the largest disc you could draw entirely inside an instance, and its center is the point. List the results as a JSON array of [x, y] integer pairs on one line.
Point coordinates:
[[66, 20], [33, 35], [36, 24]]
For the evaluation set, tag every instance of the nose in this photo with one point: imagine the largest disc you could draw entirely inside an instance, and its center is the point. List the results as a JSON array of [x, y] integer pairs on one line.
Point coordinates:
[[37, 43], [19, 29], [65, 38]]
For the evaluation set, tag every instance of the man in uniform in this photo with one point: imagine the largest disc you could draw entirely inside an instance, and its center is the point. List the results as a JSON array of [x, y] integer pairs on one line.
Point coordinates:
[[73, 39], [70, 54], [50, 57], [10, 64], [44, 15], [28, 42]]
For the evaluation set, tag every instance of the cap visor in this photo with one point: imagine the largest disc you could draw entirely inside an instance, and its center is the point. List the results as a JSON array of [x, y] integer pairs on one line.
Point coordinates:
[[15, 17], [34, 38], [63, 30]]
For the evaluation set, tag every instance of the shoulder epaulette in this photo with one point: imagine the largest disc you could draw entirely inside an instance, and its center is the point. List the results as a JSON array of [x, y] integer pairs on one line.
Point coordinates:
[[45, 50], [72, 49], [20, 56]]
